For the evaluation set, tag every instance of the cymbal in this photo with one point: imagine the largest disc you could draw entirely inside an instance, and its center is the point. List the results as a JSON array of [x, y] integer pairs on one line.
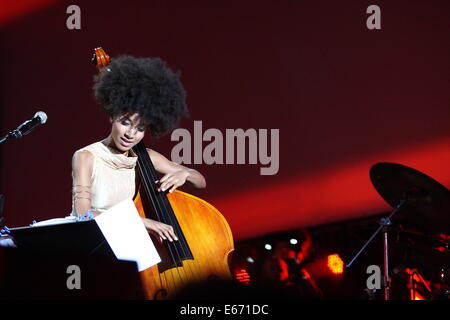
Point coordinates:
[[427, 202], [416, 236], [431, 245]]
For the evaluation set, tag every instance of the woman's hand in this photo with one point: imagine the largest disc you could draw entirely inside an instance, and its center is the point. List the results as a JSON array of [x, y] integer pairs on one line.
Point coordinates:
[[173, 180], [159, 229], [175, 174]]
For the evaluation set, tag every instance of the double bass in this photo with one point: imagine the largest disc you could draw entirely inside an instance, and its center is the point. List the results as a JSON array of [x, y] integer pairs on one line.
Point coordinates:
[[205, 244]]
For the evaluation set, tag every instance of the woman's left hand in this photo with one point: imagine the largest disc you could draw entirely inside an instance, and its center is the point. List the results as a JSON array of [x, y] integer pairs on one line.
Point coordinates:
[[173, 180]]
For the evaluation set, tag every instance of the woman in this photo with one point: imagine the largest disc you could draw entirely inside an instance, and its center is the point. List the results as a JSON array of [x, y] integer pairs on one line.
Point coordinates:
[[139, 96]]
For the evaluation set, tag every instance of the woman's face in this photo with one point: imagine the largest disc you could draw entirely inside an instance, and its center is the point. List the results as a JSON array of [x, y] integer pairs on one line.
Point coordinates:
[[127, 131]]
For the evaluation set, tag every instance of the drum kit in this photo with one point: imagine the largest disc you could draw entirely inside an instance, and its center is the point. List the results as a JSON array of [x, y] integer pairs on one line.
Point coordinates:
[[418, 227]]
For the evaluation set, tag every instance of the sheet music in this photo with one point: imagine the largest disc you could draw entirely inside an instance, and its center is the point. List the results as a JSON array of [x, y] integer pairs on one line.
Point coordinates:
[[54, 221], [122, 227]]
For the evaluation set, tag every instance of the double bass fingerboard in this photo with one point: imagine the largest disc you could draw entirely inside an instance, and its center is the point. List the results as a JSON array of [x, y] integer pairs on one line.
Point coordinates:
[[178, 250]]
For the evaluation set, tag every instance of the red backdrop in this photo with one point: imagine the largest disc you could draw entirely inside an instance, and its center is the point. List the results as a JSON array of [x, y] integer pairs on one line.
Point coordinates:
[[343, 97]]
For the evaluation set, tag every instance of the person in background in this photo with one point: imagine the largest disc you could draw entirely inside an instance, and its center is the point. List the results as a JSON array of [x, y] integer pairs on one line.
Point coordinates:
[[291, 266]]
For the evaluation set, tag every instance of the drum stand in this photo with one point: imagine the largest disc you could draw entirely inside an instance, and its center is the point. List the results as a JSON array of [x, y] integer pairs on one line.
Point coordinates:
[[384, 226], [414, 278]]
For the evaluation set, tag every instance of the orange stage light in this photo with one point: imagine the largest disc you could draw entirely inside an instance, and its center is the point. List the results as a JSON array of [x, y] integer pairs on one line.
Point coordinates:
[[335, 264], [419, 297]]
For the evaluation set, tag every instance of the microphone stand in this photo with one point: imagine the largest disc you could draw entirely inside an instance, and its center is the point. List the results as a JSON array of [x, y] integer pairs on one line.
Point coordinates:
[[2, 197], [384, 226], [13, 134], [7, 137], [25, 127], [4, 139]]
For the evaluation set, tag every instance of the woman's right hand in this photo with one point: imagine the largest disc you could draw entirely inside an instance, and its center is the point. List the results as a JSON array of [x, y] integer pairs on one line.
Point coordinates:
[[159, 229]]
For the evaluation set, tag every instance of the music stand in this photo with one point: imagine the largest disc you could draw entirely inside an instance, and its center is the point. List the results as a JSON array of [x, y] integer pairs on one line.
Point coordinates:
[[36, 269], [84, 237]]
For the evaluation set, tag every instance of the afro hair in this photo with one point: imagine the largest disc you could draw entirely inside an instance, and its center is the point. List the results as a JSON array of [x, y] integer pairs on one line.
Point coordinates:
[[145, 86]]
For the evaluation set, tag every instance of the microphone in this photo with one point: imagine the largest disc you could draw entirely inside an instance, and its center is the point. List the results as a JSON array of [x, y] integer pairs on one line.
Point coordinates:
[[25, 128]]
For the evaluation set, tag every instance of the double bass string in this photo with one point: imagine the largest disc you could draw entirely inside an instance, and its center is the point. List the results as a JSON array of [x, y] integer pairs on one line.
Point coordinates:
[[160, 213], [174, 222], [166, 216], [171, 216], [155, 205], [153, 197], [145, 181]]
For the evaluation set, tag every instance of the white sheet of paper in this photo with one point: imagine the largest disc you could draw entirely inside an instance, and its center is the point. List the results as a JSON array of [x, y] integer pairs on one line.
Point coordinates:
[[122, 227], [54, 221]]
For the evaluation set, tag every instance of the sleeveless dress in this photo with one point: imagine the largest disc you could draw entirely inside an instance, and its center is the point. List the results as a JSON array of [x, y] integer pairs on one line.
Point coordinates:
[[112, 179]]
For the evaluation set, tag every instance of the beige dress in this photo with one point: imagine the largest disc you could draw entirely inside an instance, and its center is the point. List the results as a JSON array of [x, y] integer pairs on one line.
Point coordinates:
[[112, 179]]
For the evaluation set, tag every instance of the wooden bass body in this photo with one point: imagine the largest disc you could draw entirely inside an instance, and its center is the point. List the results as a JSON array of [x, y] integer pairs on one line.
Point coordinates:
[[210, 240]]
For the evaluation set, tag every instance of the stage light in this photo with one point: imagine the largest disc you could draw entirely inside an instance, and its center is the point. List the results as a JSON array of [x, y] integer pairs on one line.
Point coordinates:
[[250, 260], [268, 246], [418, 296], [293, 241], [335, 264], [242, 276]]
